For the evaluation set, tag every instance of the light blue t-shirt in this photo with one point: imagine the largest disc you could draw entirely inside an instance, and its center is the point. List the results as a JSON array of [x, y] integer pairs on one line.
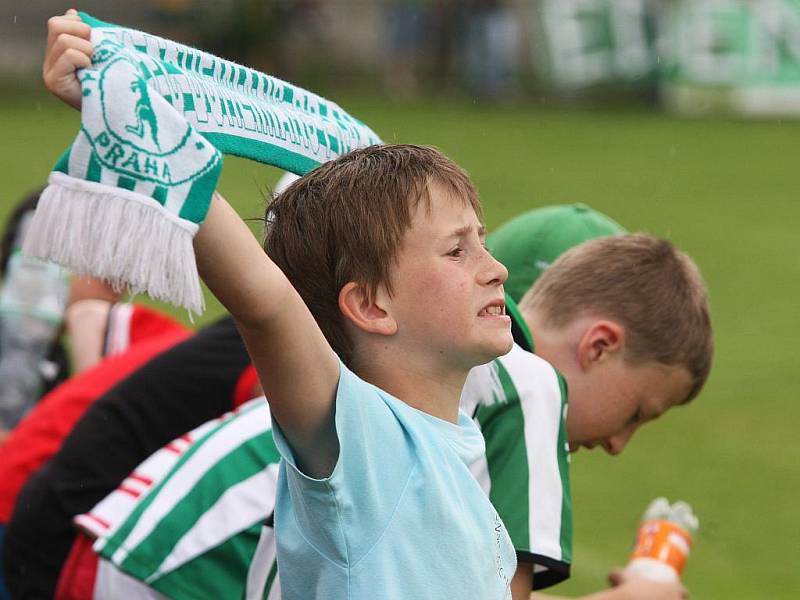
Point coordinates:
[[401, 516]]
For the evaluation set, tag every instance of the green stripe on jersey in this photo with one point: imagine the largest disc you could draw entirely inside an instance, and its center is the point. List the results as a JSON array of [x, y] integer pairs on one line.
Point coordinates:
[[119, 537], [242, 463], [273, 573], [116, 539], [222, 571], [563, 469]]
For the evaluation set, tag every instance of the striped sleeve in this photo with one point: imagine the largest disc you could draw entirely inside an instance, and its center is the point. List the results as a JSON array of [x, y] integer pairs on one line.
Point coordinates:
[[521, 408], [195, 532]]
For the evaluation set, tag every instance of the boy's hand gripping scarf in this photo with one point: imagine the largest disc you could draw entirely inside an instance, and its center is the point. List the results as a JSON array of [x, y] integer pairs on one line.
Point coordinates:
[[125, 200]]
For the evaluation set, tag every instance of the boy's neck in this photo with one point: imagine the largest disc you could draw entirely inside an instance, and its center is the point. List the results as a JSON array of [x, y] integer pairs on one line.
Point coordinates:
[[421, 386]]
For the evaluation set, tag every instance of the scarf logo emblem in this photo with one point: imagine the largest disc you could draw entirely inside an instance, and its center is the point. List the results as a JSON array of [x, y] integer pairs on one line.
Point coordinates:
[[139, 134]]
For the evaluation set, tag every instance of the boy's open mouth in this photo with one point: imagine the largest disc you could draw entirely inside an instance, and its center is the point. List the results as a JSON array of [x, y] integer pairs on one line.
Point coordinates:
[[493, 310]]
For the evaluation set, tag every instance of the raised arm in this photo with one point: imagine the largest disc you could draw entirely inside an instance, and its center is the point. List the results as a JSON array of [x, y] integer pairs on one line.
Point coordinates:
[[298, 369]]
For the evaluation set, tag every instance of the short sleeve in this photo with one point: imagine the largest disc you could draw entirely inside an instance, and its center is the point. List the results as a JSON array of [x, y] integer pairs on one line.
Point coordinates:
[[343, 515]]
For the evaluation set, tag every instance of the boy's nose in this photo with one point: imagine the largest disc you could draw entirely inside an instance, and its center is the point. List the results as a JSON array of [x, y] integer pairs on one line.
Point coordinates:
[[495, 271], [616, 443]]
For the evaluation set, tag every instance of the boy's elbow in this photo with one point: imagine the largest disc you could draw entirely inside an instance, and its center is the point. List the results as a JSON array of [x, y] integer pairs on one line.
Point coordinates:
[[265, 307]]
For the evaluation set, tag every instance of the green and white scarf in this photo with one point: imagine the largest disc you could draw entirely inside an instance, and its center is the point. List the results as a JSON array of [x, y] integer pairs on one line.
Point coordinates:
[[126, 199]]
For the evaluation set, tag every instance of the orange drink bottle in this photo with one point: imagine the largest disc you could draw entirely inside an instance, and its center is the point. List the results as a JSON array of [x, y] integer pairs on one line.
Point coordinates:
[[663, 540]]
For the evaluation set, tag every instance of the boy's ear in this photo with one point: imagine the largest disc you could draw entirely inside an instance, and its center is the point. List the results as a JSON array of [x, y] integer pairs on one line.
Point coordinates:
[[600, 341], [369, 315]]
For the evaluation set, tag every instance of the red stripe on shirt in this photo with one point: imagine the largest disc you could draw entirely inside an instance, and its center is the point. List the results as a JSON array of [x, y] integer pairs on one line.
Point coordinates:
[[130, 491], [142, 478]]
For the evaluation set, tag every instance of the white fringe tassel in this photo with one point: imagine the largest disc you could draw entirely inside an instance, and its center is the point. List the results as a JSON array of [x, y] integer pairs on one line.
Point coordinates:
[[125, 238]]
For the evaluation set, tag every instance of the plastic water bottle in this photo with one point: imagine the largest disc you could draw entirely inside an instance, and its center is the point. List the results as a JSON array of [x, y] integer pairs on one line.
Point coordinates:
[[663, 540], [32, 301]]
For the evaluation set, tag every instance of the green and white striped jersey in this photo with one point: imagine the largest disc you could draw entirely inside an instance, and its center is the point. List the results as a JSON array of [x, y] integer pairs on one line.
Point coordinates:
[[189, 520], [199, 524], [520, 403]]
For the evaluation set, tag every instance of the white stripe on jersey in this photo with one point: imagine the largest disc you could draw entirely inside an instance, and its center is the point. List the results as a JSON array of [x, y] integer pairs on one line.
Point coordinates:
[[112, 584], [540, 398], [260, 566], [482, 387]]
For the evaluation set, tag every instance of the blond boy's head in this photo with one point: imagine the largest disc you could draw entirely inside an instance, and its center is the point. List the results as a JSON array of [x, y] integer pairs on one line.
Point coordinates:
[[345, 221], [626, 315]]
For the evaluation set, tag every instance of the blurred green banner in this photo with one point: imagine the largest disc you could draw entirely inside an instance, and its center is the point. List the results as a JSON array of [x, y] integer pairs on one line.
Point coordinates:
[[704, 55], [589, 42], [733, 55]]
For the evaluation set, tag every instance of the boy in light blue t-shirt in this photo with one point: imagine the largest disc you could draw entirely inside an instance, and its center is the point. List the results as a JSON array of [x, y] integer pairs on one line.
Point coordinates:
[[398, 508], [375, 261]]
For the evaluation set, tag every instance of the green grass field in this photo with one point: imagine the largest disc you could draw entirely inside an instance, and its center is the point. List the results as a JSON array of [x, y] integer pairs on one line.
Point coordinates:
[[726, 192]]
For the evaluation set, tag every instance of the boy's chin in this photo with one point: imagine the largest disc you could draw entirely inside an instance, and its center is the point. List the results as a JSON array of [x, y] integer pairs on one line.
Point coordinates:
[[507, 344], [500, 347]]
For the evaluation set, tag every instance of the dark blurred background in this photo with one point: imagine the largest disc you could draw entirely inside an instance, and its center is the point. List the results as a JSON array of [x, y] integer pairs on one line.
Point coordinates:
[[689, 56]]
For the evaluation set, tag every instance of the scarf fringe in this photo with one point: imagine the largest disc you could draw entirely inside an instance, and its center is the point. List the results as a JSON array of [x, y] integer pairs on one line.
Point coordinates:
[[127, 239]]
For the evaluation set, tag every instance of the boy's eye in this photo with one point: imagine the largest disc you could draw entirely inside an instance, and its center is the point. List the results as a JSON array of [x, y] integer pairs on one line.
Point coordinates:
[[456, 252]]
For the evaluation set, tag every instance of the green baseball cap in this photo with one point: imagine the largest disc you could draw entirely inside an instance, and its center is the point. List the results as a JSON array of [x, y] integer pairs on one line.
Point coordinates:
[[530, 242]]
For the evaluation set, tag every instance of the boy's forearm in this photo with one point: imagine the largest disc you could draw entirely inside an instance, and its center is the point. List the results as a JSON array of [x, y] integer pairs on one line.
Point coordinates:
[[596, 596], [610, 594], [633, 590], [266, 307], [522, 582], [235, 268]]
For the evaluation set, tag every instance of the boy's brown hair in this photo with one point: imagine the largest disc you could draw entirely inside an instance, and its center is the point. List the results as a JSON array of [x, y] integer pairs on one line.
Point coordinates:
[[643, 282], [345, 220]]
